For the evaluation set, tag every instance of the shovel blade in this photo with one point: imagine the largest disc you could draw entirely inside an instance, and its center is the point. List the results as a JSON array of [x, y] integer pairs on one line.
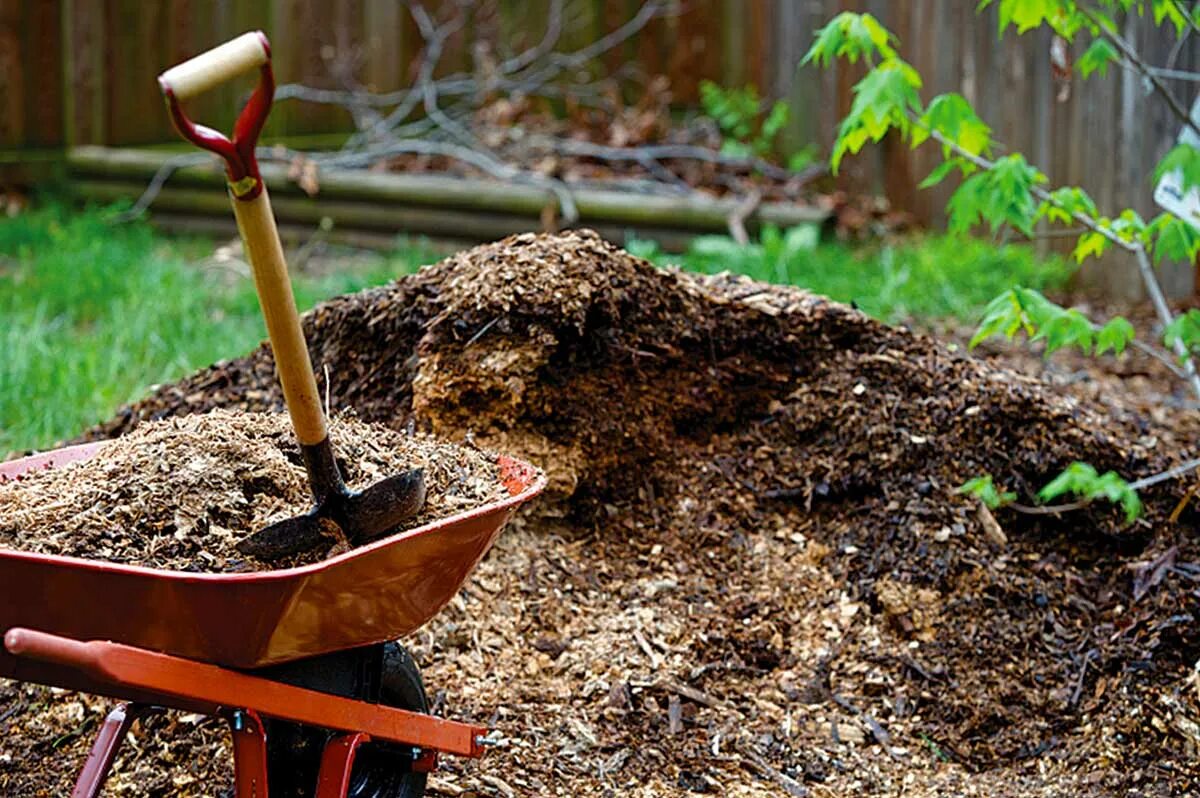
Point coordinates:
[[380, 508], [287, 538]]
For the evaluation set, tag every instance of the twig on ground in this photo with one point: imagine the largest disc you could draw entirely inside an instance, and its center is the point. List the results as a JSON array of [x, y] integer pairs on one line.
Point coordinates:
[[737, 219], [764, 768]]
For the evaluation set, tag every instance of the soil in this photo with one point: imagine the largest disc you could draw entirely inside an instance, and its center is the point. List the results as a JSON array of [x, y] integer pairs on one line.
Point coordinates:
[[181, 493], [752, 573]]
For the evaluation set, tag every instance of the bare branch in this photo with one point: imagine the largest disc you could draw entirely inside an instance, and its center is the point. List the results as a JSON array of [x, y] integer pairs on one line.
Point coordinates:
[[1131, 55], [546, 46]]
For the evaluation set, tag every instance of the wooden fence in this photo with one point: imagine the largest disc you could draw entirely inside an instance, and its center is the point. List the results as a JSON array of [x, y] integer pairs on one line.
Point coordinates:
[[81, 72]]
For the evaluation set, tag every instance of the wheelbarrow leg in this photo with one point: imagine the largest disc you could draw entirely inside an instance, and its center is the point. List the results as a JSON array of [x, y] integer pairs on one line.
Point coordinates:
[[104, 750], [249, 754], [337, 761]]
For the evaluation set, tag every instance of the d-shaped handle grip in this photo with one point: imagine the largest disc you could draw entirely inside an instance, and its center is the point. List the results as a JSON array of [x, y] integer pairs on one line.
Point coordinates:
[[221, 63]]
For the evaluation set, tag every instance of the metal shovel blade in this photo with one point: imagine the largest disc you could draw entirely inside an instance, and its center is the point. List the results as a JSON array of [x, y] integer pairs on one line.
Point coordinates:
[[362, 517], [288, 537], [381, 507]]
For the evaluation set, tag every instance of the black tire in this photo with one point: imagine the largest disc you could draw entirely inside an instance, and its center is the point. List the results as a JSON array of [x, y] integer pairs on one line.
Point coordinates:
[[387, 674], [383, 770]]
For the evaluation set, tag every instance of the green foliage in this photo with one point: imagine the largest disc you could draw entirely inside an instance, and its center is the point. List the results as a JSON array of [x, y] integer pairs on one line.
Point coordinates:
[[1026, 310], [95, 313], [1063, 203], [851, 36], [1173, 238], [1029, 15], [1002, 195], [985, 490], [953, 117], [926, 277], [738, 113], [1114, 336], [1008, 191], [1099, 54], [1184, 329], [883, 100], [1082, 480]]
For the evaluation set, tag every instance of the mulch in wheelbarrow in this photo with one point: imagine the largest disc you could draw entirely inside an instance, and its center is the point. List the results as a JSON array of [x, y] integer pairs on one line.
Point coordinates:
[[180, 493], [752, 574]]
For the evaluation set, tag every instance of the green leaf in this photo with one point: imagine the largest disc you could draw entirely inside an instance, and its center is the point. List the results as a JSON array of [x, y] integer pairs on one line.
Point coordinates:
[[1063, 203], [776, 121], [882, 101], [1000, 195], [1090, 244], [1025, 310], [1068, 327], [1174, 239], [1185, 159], [851, 36], [1184, 329], [1114, 336], [1082, 480], [1097, 57], [1003, 316], [1027, 15], [983, 489], [939, 173], [1170, 10], [953, 117]]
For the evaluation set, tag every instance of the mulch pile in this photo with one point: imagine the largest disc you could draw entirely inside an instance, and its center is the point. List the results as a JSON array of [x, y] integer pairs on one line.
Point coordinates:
[[181, 493], [751, 573]]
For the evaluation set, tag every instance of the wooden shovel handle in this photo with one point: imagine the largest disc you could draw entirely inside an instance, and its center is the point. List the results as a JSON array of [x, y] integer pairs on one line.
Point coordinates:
[[256, 223]]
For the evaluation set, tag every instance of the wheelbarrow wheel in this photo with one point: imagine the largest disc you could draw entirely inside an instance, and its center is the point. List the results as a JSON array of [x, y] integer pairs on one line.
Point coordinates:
[[381, 770]]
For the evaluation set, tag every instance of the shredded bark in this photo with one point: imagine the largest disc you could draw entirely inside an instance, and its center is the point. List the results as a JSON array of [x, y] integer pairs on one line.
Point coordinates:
[[753, 574]]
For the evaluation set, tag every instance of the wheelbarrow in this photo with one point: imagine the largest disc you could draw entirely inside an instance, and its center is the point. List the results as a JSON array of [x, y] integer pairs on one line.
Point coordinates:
[[298, 660]]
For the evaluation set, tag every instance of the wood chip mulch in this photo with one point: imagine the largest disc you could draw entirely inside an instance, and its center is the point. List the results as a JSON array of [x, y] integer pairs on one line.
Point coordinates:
[[752, 573]]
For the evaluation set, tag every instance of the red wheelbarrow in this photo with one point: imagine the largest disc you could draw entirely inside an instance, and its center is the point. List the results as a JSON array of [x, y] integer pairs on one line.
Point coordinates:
[[297, 660]]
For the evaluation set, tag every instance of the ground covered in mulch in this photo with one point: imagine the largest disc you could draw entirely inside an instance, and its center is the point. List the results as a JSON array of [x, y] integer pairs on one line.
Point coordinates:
[[751, 573], [182, 492]]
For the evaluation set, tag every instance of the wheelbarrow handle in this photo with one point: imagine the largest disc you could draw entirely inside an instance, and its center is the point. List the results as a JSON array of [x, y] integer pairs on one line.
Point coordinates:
[[252, 207], [212, 68]]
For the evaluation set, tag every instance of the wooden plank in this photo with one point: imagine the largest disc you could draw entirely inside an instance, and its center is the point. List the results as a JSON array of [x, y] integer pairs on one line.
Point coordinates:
[[135, 48], [398, 189], [85, 78], [383, 45], [44, 65], [14, 82]]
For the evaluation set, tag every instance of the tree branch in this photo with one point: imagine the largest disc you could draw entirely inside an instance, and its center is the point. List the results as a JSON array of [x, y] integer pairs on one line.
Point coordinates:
[[1163, 311], [1132, 57]]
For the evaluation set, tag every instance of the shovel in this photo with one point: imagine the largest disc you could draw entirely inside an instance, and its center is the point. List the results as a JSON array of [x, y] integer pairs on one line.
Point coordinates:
[[379, 508]]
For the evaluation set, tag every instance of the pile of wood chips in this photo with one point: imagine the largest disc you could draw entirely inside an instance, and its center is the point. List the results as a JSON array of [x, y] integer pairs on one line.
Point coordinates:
[[752, 574]]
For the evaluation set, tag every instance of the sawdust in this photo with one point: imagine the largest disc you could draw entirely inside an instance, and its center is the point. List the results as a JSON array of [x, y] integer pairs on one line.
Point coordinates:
[[180, 493], [754, 575]]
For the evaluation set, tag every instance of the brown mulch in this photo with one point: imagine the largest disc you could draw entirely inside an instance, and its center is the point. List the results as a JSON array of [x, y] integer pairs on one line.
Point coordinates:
[[181, 493], [751, 573]]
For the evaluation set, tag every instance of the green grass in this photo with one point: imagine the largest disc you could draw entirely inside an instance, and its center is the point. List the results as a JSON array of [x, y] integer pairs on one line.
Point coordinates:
[[925, 277], [92, 314]]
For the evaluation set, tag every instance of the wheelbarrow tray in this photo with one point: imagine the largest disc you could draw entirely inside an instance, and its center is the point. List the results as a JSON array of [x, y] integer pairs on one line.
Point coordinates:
[[368, 595]]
